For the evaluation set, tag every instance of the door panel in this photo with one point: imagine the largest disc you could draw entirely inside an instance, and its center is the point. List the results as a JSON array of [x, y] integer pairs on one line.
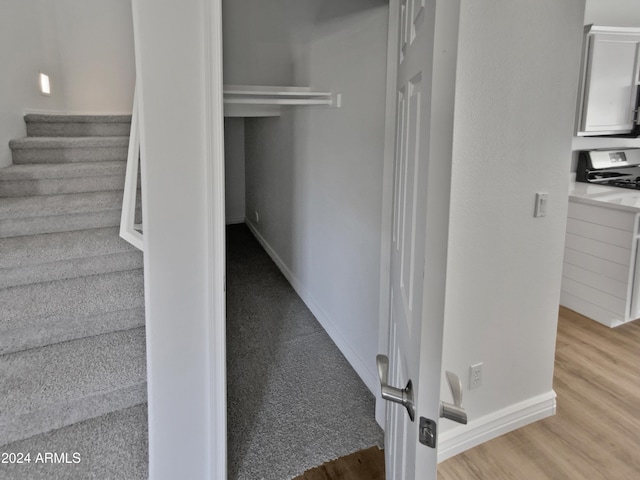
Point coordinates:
[[399, 169], [409, 207], [422, 175], [404, 28], [417, 14]]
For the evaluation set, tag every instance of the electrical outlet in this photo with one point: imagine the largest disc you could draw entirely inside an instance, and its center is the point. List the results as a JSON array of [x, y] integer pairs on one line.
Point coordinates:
[[475, 376]]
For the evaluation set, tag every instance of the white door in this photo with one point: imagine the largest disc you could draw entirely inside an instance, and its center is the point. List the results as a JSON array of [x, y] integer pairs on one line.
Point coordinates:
[[422, 177]]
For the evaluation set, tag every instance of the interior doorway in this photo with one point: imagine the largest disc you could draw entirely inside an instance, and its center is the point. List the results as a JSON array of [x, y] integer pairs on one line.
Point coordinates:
[[304, 190]]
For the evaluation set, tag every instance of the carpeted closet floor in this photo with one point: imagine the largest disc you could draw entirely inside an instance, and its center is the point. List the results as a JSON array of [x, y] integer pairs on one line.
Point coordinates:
[[294, 402]]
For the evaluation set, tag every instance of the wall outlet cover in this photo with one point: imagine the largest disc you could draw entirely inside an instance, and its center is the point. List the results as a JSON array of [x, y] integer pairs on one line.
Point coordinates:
[[475, 376]]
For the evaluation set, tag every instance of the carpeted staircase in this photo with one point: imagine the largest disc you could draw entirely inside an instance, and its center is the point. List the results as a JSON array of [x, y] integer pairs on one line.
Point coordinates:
[[72, 343]]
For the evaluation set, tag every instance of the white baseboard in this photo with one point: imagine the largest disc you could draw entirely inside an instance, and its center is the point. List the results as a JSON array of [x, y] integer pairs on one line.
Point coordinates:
[[369, 377], [490, 426], [234, 220]]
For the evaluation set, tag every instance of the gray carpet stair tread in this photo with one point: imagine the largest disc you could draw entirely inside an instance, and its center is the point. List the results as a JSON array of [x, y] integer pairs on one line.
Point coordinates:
[[60, 186], [65, 371], [54, 247], [112, 446], [61, 118], [30, 305], [62, 170], [67, 142], [60, 329], [72, 268], [78, 125], [54, 386], [48, 205], [66, 149], [57, 256], [22, 180]]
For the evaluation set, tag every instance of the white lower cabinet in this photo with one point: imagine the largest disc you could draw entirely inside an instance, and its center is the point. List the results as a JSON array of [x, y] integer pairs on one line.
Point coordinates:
[[601, 271]]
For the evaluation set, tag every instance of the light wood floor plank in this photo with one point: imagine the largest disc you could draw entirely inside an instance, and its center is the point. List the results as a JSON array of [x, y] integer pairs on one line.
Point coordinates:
[[595, 433]]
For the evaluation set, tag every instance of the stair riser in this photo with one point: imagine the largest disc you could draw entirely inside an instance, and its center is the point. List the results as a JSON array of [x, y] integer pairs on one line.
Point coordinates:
[[29, 306], [20, 252], [57, 385], [66, 329], [59, 223], [23, 156], [57, 416], [48, 313], [55, 186], [118, 262], [75, 129]]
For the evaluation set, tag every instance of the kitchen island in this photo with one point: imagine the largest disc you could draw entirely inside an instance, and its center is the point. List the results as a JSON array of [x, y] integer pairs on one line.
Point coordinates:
[[601, 268]]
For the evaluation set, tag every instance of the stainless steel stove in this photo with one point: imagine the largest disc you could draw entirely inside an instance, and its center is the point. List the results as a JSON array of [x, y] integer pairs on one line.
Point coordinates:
[[614, 168]]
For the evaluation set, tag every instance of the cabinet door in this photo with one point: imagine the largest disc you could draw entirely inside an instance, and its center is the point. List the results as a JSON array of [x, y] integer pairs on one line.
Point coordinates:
[[611, 84]]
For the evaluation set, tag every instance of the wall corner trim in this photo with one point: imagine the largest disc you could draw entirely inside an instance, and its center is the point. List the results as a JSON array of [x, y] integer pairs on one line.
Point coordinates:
[[369, 377], [498, 423], [215, 212]]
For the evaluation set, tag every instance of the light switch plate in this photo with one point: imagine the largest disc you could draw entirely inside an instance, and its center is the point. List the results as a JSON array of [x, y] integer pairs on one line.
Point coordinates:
[[542, 199]]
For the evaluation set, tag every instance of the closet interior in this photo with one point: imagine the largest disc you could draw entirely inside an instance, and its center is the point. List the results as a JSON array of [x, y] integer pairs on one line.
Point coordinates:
[[305, 93]]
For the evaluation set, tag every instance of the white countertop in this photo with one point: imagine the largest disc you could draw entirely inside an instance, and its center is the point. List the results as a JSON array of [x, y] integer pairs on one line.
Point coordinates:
[[602, 196]]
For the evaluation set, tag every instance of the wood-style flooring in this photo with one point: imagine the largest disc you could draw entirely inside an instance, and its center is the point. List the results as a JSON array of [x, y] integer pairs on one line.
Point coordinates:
[[365, 464], [595, 434]]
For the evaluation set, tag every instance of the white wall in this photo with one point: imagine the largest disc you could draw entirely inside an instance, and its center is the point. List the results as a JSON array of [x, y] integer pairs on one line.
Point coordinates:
[[258, 50], [315, 176], [256, 40], [184, 235], [27, 46], [86, 48], [234, 202], [515, 102], [610, 13], [95, 40], [614, 13]]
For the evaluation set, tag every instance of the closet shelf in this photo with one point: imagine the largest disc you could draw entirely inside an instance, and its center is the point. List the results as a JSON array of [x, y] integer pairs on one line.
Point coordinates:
[[262, 101]]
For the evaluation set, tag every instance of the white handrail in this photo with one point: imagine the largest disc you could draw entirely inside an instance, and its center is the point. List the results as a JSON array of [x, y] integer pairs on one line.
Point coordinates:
[[129, 230]]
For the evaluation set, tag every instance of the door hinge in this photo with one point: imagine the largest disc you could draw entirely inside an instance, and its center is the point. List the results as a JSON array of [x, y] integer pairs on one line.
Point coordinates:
[[428, 432]]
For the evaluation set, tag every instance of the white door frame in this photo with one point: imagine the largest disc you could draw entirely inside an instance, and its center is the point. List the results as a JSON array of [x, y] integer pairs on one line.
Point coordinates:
[[182, 151], [170, 438], [387, 193], [217, 237]]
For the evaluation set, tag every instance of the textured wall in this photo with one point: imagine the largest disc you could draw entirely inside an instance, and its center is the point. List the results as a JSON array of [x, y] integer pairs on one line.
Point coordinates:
[[256, 40], [234, 170], [86, 48], [618, 13], [515, 100], [315, 177], [28, 45], [258, 50], [95, 40]]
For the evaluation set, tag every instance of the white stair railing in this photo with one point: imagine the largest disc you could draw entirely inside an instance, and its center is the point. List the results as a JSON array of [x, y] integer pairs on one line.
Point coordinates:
[[129, 230]]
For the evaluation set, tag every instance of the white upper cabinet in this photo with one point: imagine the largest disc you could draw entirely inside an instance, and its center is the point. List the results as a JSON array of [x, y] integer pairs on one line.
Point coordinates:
[[610, 80]]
